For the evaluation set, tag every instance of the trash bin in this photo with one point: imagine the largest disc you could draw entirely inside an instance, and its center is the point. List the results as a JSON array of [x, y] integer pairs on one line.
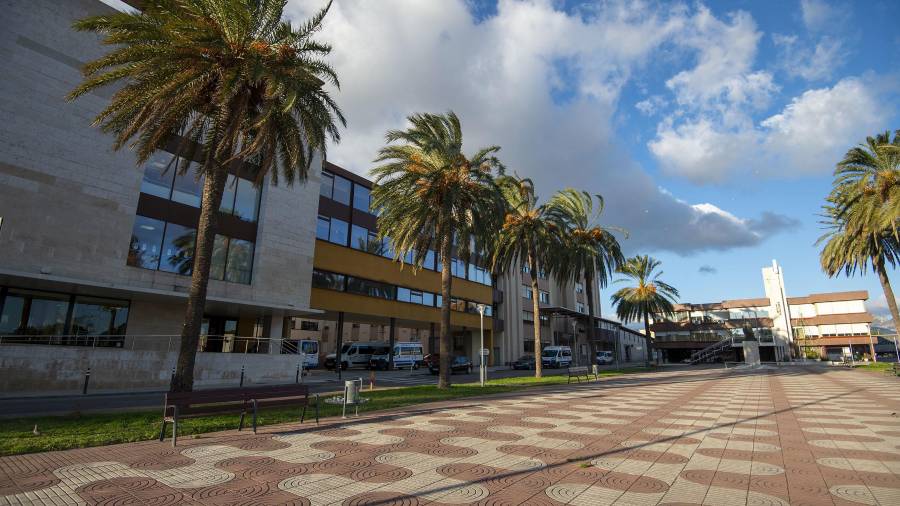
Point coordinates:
[[351, 391], [595, 369]]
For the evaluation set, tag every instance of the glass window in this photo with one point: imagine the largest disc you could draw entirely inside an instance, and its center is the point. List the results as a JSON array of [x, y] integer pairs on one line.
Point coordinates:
[[158, 174], [403, 294], [579, 307], [341, 190], [178, 249], [11, 317], [528, 316], [387, 250], [338, 232], [329, 280], [146, 238], [375, 245], [415, 297], [579, 288], [46, 314], [526, 291], [246, 203], [429, 260], [188, 188], [240, 261], [361, 197], [371, 288], [457, 305], [359, 238], [323, 225], [545, 297], [327, 184], [219, 255], [227, 205], [99, 317], [427, 299]]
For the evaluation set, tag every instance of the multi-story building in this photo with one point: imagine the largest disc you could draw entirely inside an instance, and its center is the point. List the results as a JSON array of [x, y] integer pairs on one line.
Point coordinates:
[[365, 294], [93, 245], [822, 324]]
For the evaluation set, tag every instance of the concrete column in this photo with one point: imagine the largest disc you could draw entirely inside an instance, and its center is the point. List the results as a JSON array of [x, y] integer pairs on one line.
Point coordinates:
[[276, 332]]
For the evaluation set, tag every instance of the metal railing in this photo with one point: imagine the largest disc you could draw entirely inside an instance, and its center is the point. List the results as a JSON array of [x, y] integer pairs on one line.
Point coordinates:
[[166, 343], [713, 350]]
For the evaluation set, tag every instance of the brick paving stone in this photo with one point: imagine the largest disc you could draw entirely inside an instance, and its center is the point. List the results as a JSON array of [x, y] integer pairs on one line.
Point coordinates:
[[791, 435]]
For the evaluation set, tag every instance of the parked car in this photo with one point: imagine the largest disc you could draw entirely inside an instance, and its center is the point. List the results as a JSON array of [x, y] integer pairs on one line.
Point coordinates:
[[556, 356], [356, 355], [459, 363], [406, 355], [525, 362], [605, 358]]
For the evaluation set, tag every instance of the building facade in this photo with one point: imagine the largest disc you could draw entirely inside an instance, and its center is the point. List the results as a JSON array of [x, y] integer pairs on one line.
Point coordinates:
[[365, 294], [93, 245], [817, 325]]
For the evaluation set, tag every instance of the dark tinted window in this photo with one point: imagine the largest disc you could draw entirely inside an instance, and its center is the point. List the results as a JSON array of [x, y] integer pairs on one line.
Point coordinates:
[[220, 254], [188, 188], [341, 190], [240, 261], [146, 240], [329, 280], [99, 317], [361, 197], [327, 184], [323, 226], [178, 249], [371, 288], [159, 171], [246, 202], [338, 232]]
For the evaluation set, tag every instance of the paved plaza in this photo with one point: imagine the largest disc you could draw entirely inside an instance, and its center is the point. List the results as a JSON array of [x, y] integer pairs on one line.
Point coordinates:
[[792, 435]]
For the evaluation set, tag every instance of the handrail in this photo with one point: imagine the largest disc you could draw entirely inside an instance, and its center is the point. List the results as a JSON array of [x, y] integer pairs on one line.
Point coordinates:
[[153, 342]]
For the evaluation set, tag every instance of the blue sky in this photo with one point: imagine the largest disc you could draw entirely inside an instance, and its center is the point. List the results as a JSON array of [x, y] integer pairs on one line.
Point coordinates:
[[711, 128]]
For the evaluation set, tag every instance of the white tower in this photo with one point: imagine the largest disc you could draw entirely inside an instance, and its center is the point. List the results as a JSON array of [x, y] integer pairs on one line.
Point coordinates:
[[779, 310]]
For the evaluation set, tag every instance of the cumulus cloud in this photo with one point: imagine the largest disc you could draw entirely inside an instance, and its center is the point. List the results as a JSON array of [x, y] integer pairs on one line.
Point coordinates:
[[544, 84], [707, 269], [810, 62]]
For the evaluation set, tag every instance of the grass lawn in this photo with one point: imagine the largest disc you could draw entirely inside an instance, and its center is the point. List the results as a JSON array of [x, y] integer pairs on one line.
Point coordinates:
[[79, 431], [874, 366]]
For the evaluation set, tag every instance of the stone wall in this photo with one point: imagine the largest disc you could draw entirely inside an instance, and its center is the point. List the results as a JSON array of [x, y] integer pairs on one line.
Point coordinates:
[[31, 370]]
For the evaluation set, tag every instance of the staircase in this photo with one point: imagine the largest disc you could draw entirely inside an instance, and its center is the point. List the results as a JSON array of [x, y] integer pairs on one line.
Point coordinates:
[[712, 351]]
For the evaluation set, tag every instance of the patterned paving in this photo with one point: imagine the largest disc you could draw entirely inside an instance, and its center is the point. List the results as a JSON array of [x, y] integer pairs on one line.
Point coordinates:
[[792, 435]]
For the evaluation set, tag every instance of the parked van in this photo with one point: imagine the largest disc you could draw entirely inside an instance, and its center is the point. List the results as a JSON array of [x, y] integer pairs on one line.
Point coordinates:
[[556, 356], [605, 357], [307, 347], [356, 354], [406, 355]]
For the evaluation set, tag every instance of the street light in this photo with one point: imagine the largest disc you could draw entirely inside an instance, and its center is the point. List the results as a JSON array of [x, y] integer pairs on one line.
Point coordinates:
[[481, 369]]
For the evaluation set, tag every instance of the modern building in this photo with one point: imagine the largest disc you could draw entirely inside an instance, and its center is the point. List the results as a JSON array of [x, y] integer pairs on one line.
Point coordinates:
[[365, 294], [815, 325], [93, 246]]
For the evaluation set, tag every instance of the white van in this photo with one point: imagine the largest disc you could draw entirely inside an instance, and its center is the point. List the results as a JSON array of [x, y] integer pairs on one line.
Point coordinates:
[[308, 347], [556, 356], [605, 358], [356, 354], [406, 355]]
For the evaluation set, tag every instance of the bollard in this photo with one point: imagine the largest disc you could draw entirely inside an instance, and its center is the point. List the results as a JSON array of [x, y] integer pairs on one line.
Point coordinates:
[[87, 379], [242, 376], [172, 379], [297, 377], [372, 380]]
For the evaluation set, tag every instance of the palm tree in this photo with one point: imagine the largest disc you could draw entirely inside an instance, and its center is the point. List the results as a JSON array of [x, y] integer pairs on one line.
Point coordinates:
[[527, 235], [235, 84], [849, 248], [590, 251], [867, 183], [434, 197], [651, 296]]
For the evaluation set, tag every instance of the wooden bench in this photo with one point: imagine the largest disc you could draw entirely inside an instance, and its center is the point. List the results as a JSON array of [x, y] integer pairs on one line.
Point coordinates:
[[578, 372], [199, 403]]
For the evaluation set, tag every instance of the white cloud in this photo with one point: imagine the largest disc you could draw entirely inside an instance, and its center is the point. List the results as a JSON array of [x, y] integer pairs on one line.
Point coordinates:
[[651, 105], [813, 63], [819, 15], [545, 85]]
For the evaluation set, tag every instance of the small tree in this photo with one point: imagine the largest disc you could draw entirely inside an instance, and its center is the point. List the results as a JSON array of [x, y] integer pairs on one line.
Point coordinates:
[[650, 296]]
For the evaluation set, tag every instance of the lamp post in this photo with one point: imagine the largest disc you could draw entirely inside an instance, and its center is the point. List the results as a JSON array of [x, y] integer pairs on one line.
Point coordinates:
[[482, 372]]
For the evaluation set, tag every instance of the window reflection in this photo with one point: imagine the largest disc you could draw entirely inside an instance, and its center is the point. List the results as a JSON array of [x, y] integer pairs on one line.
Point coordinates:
[[98, 317], [220, 253], [246, 202], [240, 261], [361, 198], [341, 190], [188, 188], [227, 205], [159, 172], [178, 249], [327, 185], [323, 226], [338, 232], [146, 237]]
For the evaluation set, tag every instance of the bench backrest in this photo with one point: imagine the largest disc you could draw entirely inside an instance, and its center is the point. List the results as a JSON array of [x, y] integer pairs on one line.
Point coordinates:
[[206, 401], [578, 370], [276, 392]]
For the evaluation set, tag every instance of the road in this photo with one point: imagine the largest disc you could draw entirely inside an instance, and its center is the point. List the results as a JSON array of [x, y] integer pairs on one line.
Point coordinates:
[[319, 380]]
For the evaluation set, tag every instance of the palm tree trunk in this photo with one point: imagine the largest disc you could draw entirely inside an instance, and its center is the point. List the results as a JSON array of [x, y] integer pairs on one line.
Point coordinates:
[[649, 341], [446, 282], [589, 294], [888, 293], [536, 307], [213, 188]]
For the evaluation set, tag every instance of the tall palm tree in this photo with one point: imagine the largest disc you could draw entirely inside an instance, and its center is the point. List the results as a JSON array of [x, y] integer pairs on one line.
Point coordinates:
[[234, 83], [433, 197], [651, 295], [867, 183], [527, 235], [850, 244], [590, 251]]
